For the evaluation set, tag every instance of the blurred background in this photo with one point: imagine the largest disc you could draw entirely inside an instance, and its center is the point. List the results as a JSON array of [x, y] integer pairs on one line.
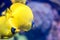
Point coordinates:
[[46, 20]]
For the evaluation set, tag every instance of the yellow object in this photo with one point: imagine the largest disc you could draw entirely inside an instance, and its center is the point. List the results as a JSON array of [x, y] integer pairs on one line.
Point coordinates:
[[19, 16], [20, 1]]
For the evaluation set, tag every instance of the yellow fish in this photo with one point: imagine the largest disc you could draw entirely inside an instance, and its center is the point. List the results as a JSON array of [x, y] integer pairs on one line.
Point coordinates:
[[20, 1], [18, 18]]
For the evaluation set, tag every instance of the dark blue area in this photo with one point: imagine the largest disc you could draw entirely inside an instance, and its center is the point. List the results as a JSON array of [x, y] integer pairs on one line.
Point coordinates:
[[37, 34], [7, 5], [13, 30]]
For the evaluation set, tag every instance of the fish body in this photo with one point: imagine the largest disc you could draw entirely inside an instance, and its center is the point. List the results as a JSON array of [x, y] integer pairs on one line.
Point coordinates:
[[18, 18]]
